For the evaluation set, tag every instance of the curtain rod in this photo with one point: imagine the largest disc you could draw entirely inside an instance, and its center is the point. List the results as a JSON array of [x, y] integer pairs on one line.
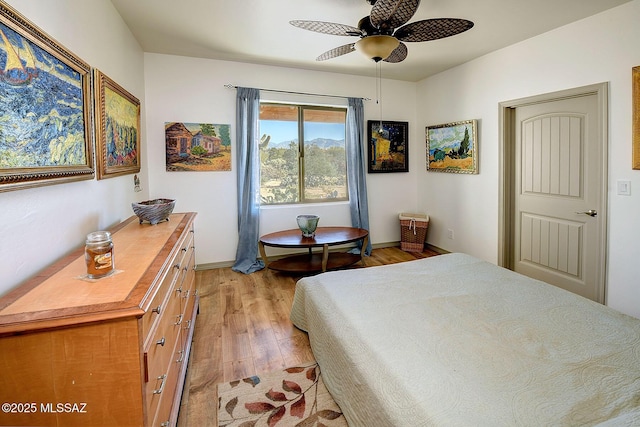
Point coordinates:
[[230, 86]]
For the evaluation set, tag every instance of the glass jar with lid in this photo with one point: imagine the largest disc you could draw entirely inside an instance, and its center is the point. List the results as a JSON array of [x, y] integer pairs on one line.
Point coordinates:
[[98, 254]]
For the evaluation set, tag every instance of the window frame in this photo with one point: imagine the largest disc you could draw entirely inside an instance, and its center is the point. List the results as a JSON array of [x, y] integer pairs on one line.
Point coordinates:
[[301, 108]]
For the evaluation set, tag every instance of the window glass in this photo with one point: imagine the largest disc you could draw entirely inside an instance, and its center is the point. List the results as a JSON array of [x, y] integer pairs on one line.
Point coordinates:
[[314, 171]]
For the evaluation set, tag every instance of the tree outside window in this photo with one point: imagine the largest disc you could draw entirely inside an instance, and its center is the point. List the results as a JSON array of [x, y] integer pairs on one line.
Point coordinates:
[[309, 172]]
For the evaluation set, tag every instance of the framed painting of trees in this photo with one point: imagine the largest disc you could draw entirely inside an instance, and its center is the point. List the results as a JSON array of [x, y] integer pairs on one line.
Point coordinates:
[[117, 128], [453, 147]]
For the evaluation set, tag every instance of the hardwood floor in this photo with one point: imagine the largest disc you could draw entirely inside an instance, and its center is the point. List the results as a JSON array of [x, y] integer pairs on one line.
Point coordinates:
[[243, 329]]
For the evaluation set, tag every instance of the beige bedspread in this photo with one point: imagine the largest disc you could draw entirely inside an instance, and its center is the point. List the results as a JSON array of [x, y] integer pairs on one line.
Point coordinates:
[[455, 341]]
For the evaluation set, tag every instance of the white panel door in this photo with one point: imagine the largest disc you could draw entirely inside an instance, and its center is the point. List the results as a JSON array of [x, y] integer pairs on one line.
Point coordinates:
[[558, 175]]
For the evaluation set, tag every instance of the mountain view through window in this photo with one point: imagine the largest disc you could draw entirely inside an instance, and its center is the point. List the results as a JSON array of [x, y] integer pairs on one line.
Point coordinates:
[[294, 172]]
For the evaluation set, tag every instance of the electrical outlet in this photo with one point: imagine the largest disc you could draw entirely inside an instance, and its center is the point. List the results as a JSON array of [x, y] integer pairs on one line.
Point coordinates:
[[450, 234]]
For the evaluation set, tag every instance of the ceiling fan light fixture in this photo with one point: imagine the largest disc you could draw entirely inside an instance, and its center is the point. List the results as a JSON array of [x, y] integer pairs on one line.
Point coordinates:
[[377, 47], [384, 31]]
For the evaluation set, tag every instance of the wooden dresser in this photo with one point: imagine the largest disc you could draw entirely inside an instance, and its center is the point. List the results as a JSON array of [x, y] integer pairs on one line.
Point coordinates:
[[107, 352]]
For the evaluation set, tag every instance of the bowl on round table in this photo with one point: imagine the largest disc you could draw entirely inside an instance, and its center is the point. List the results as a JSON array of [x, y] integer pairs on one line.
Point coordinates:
[[308, 224]]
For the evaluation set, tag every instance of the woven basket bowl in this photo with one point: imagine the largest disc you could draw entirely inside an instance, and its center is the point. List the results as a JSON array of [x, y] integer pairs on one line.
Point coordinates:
[[154, 211]]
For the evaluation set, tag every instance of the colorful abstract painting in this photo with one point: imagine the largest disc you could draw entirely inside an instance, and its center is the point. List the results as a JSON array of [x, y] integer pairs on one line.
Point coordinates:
[[44, 108]]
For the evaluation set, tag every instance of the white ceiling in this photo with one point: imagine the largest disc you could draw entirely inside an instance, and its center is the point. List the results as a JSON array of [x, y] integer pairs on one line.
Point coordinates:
[[258, 31]]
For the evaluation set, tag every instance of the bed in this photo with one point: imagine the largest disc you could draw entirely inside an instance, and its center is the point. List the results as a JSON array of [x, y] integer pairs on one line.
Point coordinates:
[[453, 340]]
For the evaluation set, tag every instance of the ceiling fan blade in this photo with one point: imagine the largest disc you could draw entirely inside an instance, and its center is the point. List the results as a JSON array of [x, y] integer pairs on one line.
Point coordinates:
[[432, 29], [390, 14], [327, 28], [398, 55], [337, 51]]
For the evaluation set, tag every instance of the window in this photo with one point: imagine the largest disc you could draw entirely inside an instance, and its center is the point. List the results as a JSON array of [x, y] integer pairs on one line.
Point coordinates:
[[309, 172]]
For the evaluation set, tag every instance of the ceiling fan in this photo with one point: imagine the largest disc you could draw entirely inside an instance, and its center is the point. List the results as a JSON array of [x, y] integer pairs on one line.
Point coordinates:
[[383, 32]]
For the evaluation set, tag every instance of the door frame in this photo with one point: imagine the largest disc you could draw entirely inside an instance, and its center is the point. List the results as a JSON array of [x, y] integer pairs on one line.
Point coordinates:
[[506, 182]]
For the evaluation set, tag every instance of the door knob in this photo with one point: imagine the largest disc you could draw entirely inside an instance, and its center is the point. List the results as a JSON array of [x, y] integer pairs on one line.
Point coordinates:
[[590, 212]]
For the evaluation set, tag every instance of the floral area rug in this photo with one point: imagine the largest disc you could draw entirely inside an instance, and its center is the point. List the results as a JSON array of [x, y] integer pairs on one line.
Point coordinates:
[[291, 397]]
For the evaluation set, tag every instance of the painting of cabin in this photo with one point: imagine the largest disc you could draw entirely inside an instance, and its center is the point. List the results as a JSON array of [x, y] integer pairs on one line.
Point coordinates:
[[210, 143], [197, 147]]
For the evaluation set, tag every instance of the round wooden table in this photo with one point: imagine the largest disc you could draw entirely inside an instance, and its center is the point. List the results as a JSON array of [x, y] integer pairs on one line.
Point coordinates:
[[311, 262]]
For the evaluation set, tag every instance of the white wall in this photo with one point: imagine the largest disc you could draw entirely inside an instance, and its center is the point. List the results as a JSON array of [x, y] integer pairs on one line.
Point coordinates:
[[602, 48], [40, 225], [181, 89]]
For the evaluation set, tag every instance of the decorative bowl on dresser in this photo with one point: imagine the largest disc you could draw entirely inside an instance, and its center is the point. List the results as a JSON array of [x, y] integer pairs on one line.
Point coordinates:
[[105, 352], [153, 211]]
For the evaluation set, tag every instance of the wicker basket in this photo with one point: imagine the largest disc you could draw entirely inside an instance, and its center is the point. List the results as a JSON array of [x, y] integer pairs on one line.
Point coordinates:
[[413, 231], [154, 211]]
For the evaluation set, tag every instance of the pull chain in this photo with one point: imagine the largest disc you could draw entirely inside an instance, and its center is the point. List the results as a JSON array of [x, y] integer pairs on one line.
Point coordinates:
[[379, 89]]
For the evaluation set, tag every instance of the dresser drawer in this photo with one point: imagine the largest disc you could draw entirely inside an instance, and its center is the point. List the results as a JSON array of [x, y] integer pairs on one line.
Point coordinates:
[[160, 350], [166, 399], [187, 276], [158, 304], [174, 276], [189, 290], [186, 248], [185, 255]]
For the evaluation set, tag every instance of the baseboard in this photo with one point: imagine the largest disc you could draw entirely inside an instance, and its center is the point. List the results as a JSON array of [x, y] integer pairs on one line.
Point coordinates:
[[436, 249], [214, 265], [227, 264], [397, 244]]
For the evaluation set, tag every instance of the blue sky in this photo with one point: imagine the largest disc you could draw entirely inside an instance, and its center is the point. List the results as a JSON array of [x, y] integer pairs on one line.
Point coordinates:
[[446, 136], [287, 131]]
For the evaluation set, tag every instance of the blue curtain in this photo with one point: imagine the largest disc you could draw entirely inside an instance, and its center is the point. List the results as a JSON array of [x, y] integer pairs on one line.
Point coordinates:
[[248, 171], [356, 169]]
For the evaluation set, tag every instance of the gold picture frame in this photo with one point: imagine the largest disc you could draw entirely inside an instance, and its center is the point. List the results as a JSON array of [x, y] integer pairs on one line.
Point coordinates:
[[453, 147], [117, 128], [636, 116], [45, 102]]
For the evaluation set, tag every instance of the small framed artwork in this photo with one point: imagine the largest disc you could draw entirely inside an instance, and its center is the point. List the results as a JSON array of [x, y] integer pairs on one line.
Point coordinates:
[[45, 106], [636, 117], [197, 147], [117, 128], [388, 146], [453, 147]]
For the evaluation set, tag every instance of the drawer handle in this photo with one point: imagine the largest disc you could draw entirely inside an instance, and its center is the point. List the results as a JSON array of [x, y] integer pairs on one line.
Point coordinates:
[[186, 295], [157, 309], [165, 424], [184, 249], [179, 320], [159, 390], [181, 353], [161, 341], [179, 290], [188, 324], [177, 266]]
